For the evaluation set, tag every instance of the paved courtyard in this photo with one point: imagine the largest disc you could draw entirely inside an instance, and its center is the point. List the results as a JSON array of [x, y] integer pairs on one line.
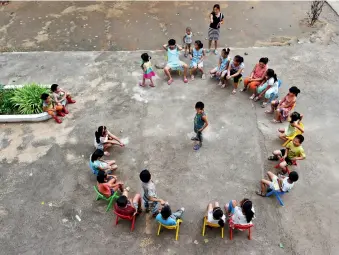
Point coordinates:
[[46, 180]]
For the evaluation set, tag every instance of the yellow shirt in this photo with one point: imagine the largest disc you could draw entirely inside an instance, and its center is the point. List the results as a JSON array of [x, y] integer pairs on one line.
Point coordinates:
[[294, 151]]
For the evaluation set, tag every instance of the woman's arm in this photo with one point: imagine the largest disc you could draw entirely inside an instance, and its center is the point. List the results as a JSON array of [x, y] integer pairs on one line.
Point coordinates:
[[252, 73], [211, 18]]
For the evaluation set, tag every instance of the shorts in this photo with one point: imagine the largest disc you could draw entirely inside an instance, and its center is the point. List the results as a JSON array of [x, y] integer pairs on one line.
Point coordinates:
[[188, 45], [274, 185], [176, 66], [196, 65], [235, 78], [288, 160]]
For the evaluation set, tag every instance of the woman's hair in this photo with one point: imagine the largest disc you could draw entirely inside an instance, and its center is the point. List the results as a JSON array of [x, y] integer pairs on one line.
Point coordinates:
[[271, 74], [216, 6], [295, 116], [199, 43], [44, 96], [217, 215], [145, 57], [247, 209], [226, 51], [263, 60], [294, 90], [239, 59], [99, 133], [97, 154], [166, 212]]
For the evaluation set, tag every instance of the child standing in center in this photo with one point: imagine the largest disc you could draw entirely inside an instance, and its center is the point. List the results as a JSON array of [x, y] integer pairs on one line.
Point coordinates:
[[187, 40], [200, 123], [146, 66]]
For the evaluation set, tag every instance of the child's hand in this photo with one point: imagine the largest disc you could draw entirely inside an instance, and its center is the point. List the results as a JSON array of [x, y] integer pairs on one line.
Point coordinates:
[[122, 145], [218, 73], [228, 77], [162, 202]]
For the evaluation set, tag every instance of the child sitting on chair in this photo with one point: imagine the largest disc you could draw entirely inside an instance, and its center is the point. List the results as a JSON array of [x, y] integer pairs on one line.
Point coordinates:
[[241, 214], [293, 152], [278, 183], [234, 71], [173, 61], [61, 97], [52, 109], [197, 59], [221, 69], [107, 188], [128, 207], [166, 217], [215, 215], [292, 127]]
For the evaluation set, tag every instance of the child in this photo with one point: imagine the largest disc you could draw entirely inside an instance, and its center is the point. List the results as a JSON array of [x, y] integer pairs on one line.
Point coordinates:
[[293, 152], [49, 107], [269, 87], [166, 217], [61, 97], [279, 183], [147, 68], [257, 75], [242, 214], [151, 201], [215, 215], [107, 188], [235, 69], [200, 123], [128, 207], [104, 139], [197, 59], [187, 40], [222, 67], [292, 127], [98, 165], [173, 61], [282, 108]]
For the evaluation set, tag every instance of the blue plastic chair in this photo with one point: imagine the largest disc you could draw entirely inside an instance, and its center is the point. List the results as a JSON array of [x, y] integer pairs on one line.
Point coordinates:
[[277, 195]]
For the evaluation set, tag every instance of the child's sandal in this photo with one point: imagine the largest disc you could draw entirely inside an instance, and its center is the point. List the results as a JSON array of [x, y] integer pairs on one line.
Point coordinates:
[[273, 158], [260, 194]]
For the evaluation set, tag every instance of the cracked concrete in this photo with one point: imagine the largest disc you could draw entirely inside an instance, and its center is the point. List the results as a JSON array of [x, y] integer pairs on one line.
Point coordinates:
[[46, 162]]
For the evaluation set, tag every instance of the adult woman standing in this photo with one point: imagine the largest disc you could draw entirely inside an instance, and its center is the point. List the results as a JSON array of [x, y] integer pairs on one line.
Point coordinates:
[[216, 19]]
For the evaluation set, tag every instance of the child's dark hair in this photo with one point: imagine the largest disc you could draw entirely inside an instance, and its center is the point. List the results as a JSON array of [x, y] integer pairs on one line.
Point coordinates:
[[300, 138], [239, 59], [166, 212], [122, 201], [101, 178], [293, 176], [263, 60], [188, 29], [217, 215], [171, 42], [226, 51], [271, 74], [145, 176], [97, 154], [199, 43], [247, 209], [54, 87], [295, 116], [145, 58], [199, 105], [99, 133], [294, 90], [44, 96]]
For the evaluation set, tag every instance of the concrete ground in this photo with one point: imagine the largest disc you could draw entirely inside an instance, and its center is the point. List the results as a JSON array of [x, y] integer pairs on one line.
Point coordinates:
[[46, 180], [91, 26]]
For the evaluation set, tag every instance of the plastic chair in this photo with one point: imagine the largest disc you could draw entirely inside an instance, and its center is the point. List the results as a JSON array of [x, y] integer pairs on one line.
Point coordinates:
[[206, 223], [176, 227], [130, 218], [232, 226], [277, 194], [109, 199], [297, 132], [179, 69]]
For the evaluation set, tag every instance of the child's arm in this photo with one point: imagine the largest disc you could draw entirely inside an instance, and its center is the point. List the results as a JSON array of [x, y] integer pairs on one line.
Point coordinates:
[[165, 46], [154, 199], [219, 64], [113, 137], [252, 73], [65, 94], [45, 109], [183, 39], [204, 118], [55, 99], [179, 47], [280, 182], [202, 57], [229, 70], [298, 127]]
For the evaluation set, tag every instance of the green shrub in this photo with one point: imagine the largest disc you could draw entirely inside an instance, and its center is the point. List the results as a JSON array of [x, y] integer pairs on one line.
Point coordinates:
[[6, 105], [27, 99]]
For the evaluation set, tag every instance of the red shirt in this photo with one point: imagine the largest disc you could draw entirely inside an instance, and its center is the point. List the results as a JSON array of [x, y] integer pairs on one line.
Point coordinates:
[[104, 189], [129, 210]]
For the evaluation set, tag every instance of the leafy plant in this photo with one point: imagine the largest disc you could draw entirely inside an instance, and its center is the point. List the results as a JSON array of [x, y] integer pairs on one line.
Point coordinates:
[[6, 105], [27, 99]]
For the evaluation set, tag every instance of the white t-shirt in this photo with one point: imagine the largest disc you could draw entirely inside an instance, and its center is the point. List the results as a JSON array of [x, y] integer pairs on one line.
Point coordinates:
[[210, 218], [286, 186], [274, 86], [239, 218]]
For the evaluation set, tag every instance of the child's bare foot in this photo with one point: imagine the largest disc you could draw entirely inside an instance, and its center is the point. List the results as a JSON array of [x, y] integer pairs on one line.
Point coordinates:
[[169, 82], [192, 77], [114, 167], [106, 153], [141, 84]]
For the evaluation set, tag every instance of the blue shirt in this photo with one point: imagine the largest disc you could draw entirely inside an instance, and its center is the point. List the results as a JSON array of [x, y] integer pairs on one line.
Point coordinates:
[[198, 121], [168, 222]]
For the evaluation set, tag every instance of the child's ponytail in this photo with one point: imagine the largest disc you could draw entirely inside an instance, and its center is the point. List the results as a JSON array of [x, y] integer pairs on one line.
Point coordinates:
[[247, 210], [221, 223]]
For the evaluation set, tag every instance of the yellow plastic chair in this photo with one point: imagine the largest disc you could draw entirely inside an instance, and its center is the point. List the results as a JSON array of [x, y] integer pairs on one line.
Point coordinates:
[[206, 223], [176, 227], [290, 138]]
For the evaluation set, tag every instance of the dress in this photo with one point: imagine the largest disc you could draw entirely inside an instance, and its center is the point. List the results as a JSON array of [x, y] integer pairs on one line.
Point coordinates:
[[188, 38], [197, 55], [214, 29], [173, 61], [149, 73]]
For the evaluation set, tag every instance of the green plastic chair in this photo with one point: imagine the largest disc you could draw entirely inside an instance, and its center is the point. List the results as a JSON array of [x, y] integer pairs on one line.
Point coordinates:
[[109, 200]]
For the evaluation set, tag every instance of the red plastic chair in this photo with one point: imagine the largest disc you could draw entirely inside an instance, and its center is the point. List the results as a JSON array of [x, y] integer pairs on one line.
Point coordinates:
[[130, 218], [240, 227], [287, 170]]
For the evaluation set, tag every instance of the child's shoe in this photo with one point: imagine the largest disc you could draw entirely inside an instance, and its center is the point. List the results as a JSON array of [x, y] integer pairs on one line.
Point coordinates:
[[70, 100], [64, 109], [61, 114], [203, 76], [57, 120], [263, 105], [196, 147], [192, 77], [252, 97]]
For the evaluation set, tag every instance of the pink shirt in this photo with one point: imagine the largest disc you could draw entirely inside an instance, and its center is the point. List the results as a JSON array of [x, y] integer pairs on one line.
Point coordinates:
[[259, 72]]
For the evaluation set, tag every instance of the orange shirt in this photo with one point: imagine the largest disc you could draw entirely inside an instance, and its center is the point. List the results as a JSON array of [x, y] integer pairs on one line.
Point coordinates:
[[104, 189]]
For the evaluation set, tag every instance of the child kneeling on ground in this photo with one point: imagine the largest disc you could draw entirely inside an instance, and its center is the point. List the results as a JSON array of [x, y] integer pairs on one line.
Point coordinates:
[[167, 218], [52, 109]]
